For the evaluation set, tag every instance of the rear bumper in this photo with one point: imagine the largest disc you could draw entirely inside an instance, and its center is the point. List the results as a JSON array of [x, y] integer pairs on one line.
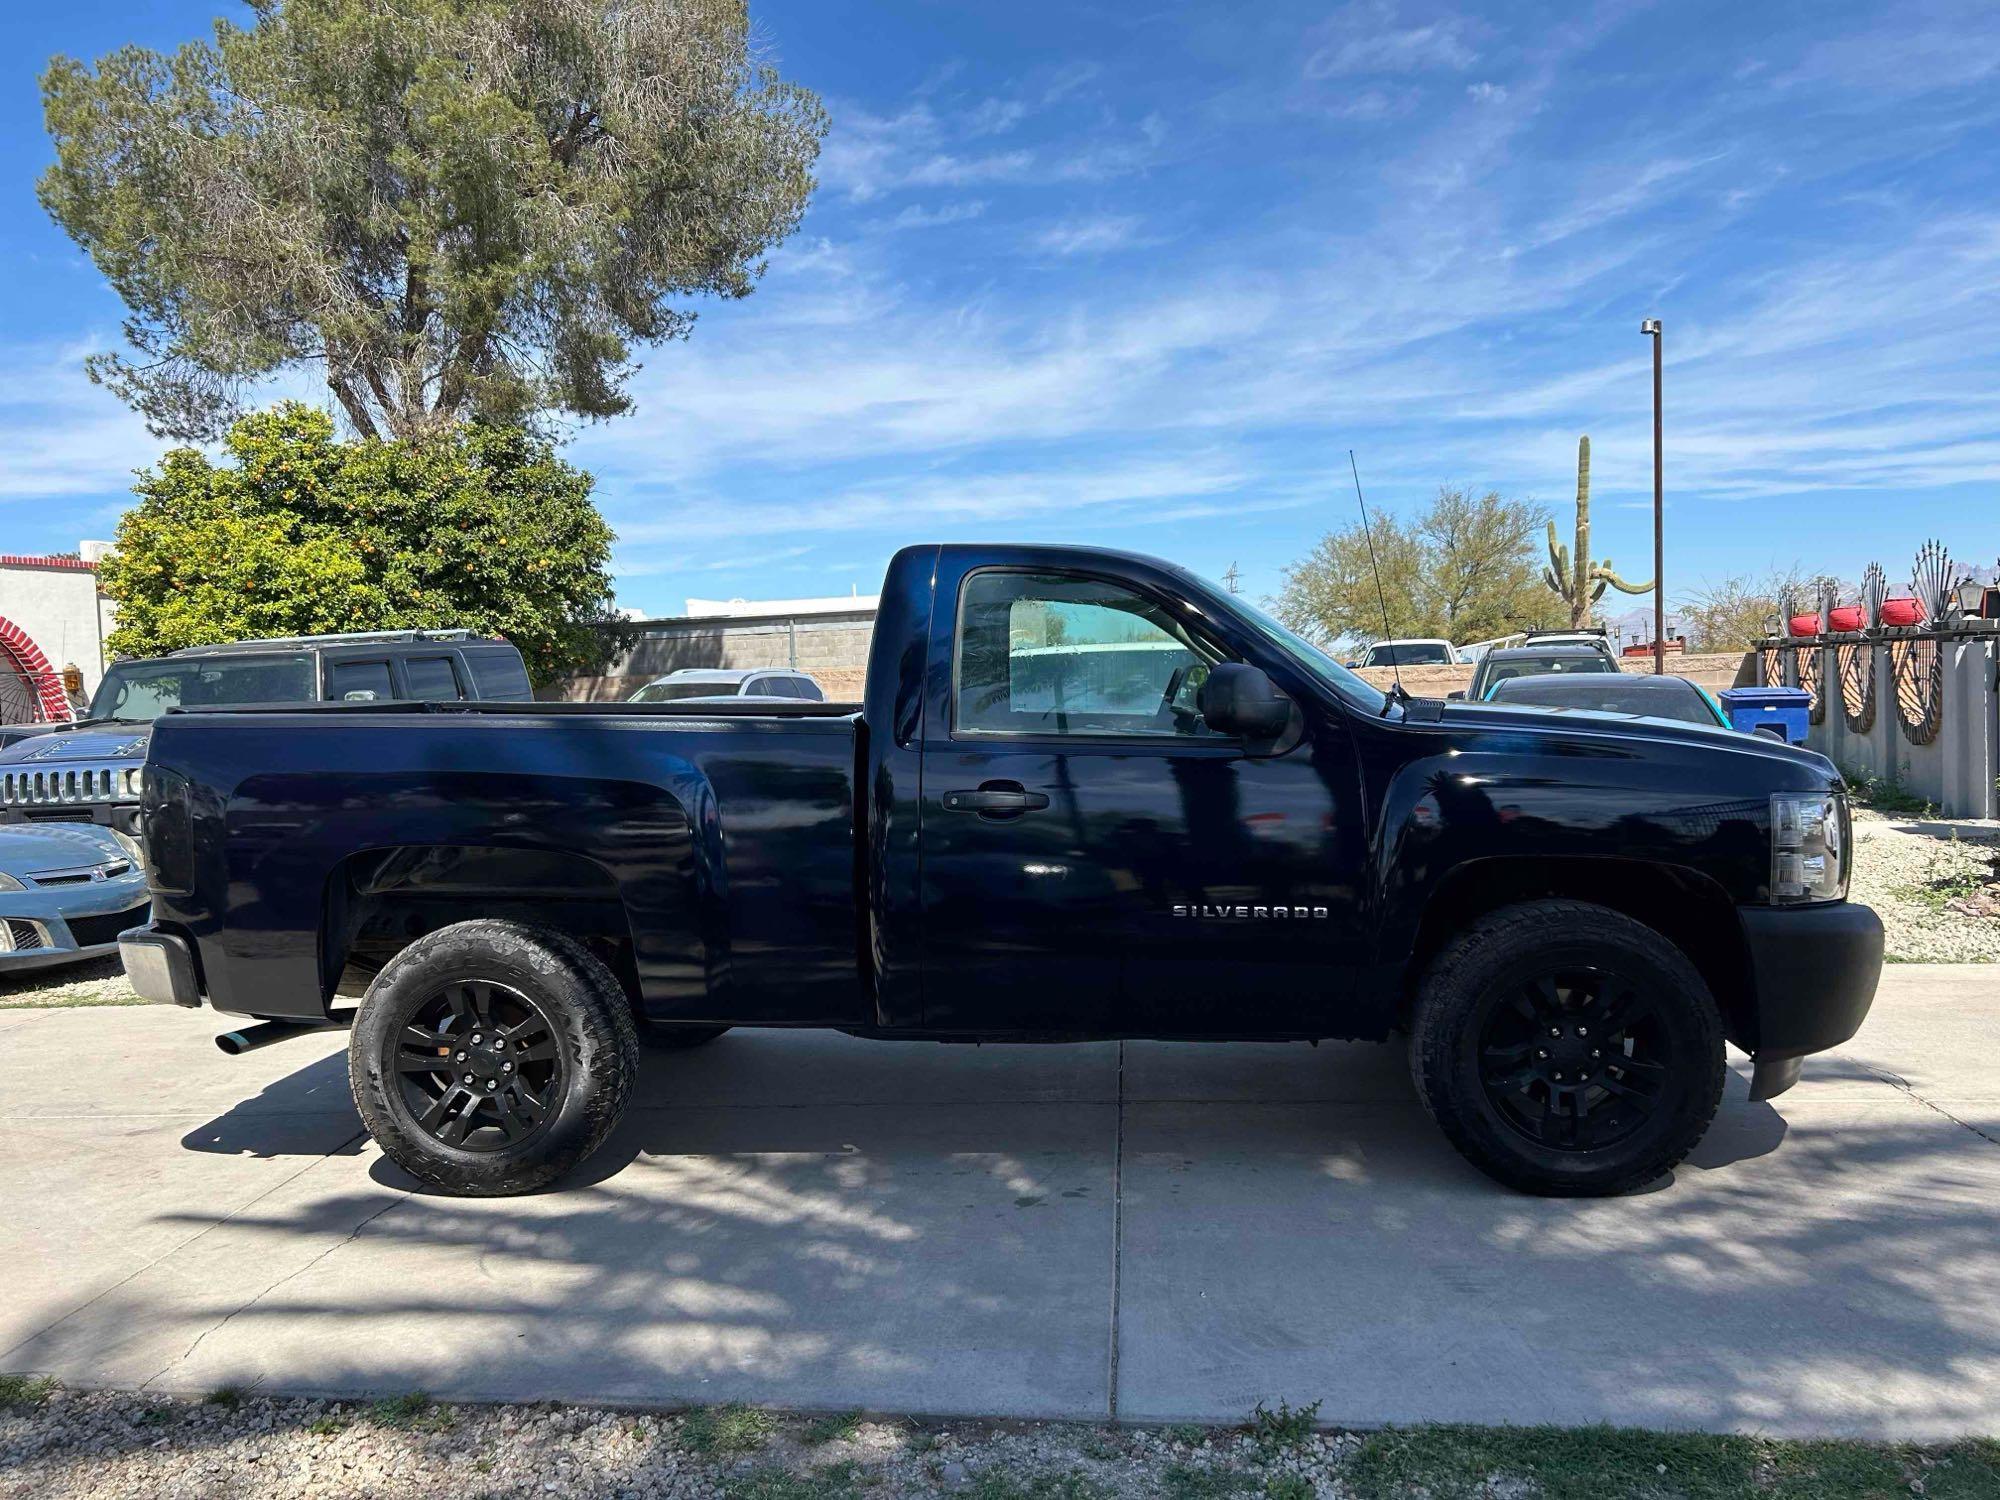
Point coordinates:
[[161, 967], [1815, 969]]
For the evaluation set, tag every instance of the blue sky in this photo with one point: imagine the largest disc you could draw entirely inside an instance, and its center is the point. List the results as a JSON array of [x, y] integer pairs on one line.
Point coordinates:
[[1139, 274]]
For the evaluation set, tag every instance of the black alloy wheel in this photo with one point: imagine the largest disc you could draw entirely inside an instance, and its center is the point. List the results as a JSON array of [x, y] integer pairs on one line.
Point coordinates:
[[490, 1057], [1567, 1049], [1576, 1059], [480, 1066]]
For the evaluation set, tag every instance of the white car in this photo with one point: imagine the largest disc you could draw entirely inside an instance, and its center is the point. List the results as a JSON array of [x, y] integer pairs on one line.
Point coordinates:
[[1415, 652], [707, 684]]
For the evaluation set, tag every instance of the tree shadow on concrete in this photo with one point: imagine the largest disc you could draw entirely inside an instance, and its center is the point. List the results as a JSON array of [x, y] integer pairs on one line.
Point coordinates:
[[944, 1246]]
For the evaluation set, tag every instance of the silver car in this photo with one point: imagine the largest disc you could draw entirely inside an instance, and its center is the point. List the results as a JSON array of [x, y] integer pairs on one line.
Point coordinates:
[[712, 684], [66, 891]]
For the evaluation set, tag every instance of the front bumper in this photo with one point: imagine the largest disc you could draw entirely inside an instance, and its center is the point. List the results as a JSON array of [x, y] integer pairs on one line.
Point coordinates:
[[1815, 969], [161, 967], [51, 927]]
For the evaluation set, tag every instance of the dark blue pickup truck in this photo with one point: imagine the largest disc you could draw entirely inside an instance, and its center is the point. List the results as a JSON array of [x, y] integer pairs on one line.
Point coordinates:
[[1087, 795]]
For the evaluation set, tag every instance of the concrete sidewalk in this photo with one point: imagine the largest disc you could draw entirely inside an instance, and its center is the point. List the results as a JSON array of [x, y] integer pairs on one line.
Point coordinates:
[[1149, 1232]]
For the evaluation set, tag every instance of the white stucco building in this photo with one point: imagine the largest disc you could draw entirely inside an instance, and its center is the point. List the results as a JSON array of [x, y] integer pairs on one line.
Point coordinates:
[[51, 616]]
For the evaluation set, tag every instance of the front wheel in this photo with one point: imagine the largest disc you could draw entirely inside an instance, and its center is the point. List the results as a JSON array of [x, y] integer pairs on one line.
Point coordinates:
[[490, 1057], [1567, 1050]]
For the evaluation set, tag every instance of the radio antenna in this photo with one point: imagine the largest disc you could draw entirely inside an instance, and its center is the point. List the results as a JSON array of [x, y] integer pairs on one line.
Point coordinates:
[[1381, 598]]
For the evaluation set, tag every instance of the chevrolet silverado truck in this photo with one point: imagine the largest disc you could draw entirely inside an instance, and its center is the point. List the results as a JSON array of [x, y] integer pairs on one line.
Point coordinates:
[[1086, 795]]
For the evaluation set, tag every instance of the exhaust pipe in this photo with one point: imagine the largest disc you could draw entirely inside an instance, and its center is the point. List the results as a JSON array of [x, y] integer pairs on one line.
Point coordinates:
[[250, 1038]]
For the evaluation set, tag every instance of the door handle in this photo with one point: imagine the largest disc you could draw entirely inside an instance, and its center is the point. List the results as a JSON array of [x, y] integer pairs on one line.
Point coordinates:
[[996, 798]]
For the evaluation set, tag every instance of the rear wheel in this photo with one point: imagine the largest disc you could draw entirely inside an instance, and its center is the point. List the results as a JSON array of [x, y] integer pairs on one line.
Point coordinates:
[[490, 1057], [1566, 1049]]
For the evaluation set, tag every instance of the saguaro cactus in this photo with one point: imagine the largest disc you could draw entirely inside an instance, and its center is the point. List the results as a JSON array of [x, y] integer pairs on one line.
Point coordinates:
[[1576, 580]]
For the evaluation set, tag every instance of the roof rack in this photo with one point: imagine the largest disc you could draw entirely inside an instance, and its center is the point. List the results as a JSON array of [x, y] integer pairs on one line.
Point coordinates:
[[1570, 630], [349, 638]]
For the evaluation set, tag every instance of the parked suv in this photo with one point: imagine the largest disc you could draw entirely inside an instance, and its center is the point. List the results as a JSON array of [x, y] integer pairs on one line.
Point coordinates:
[[707, 684], [1535, 661], [89, 771]]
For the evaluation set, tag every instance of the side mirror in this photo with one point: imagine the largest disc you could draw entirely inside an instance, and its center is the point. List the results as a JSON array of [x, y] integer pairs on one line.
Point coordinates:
[[1242, 700], [1456, 693]]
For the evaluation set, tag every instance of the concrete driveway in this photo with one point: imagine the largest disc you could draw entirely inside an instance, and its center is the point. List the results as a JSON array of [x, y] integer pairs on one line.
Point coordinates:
[[1148, 1232]]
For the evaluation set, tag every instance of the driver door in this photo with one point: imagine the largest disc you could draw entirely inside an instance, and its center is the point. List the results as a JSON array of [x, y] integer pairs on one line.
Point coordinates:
[[1080, 817]]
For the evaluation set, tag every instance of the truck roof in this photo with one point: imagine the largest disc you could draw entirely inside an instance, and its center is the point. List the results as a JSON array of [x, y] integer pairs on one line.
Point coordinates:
[[349, 638]]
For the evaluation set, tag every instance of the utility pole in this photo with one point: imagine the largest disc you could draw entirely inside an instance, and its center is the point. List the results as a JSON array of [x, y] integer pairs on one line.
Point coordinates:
[[1651, 328], [1230, 578]]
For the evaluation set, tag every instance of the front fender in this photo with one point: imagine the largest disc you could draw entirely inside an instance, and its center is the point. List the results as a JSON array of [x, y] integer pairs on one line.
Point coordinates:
[[1554, 803]]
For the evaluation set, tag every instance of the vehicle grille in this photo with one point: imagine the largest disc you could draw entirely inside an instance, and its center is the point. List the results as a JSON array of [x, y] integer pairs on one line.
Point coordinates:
[[90, 931], [58, 786], [22, 935], [81, 875]]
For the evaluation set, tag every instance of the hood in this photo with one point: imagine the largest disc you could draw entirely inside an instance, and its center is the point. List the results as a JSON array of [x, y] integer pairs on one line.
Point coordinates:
[[1565, 723], [26, 848], [109, 742], [14, 733]]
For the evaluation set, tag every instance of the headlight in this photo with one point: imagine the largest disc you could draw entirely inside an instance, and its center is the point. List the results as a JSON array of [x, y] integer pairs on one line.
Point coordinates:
[[9, 883], [130, 782], [1808, 847]]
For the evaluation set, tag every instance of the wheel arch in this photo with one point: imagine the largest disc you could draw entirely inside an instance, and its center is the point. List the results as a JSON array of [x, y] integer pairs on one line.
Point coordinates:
[[378, 901], [1687, 908]]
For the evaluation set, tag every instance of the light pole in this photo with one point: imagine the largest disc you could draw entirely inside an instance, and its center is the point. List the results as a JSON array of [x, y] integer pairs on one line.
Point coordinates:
[[1651, 328]]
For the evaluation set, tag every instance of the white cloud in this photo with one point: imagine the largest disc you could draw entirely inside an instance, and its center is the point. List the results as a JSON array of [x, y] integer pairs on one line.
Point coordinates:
[[917, 216], [1367, 38], [1088, 236], [60, 435]]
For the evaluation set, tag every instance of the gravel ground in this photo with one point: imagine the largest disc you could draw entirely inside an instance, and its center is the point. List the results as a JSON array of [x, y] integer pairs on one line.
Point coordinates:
[[101, 981], [59, 1444], [103, 1444], [1934, 884]]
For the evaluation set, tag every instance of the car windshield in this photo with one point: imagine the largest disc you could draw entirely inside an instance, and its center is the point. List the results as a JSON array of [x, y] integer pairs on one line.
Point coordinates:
[[1554, 662], [1410, 654], [671, 692], [143, 690]]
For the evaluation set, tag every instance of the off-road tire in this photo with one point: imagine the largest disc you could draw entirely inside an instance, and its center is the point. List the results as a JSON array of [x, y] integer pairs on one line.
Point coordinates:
[[588, 1011], [668, 1037], [1501, 950]]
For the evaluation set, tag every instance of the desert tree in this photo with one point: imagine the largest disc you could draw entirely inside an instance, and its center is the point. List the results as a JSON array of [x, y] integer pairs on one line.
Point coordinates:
[[449, 209]]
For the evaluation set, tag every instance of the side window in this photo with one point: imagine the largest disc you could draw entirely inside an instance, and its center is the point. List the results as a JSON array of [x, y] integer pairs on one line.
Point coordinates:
[[1057, 654], [807, 689], [431, 679], [498, 674], [358, 682], [782, 687]]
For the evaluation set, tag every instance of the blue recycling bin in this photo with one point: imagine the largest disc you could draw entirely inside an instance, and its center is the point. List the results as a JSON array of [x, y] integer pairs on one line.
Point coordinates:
[[1780, 712]]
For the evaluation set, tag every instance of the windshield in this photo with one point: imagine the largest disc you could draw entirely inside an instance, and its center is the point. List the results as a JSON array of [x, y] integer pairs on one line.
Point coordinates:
[[1568, 662], [1355, 690], [143, 690], [1409, 654], [670, 692]]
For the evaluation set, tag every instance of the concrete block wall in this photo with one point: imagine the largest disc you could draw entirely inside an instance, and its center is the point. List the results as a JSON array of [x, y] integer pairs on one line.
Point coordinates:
[[1957, 770], [833, 648]]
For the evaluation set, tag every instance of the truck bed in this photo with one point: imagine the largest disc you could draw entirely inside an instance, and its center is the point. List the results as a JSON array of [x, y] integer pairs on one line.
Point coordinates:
[[720, 841]]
